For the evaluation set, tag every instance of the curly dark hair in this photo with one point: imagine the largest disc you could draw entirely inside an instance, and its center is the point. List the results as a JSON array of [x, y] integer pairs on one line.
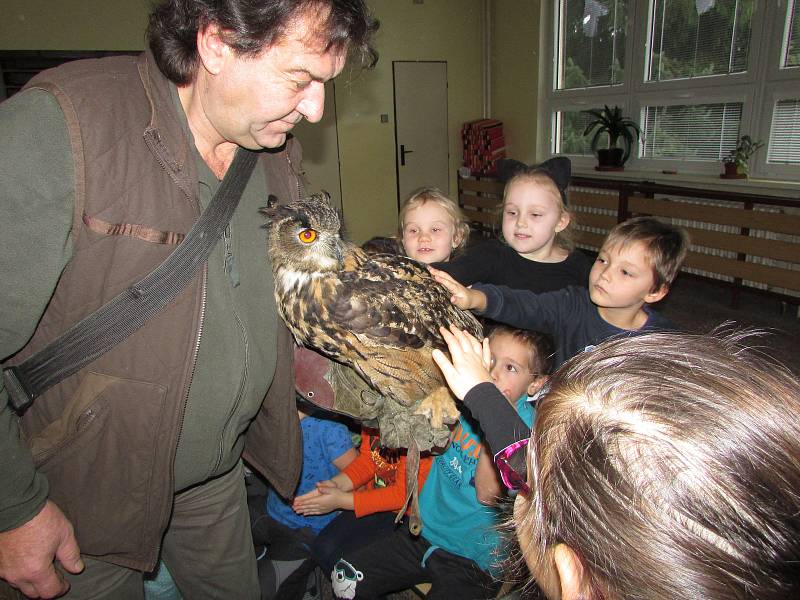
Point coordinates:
[[250, 26]]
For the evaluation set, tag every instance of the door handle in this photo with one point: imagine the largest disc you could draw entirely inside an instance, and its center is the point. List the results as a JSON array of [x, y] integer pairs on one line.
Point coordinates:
[[403, 153]]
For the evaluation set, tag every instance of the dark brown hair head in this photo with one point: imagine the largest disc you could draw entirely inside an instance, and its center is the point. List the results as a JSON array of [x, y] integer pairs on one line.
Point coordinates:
[[666, 245], [250, 26], [670, 464], [540, 361]]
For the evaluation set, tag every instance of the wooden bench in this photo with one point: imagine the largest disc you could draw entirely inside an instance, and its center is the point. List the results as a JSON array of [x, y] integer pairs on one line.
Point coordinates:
[[480, 200], [739, 240]]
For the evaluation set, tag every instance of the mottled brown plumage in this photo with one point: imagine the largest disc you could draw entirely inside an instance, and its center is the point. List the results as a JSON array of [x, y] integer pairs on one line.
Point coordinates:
[[379, 314]]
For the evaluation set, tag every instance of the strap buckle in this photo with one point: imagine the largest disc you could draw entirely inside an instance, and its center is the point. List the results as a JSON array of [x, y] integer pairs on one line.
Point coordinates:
[[18, 396]]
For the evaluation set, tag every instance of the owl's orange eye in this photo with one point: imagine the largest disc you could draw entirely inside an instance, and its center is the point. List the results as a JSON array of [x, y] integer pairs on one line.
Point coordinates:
[[307, 236]]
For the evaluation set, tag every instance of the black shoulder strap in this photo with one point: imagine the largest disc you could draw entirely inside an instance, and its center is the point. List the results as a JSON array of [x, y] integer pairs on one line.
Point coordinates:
[[130, 310]]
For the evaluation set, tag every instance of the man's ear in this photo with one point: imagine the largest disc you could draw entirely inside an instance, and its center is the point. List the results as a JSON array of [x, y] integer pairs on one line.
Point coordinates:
[[570, 573], [211, 48], [657, 295]]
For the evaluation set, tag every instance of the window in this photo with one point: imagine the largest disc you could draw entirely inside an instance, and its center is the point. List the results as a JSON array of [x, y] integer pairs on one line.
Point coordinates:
[[570, 126], [695, 74], [784, 138], [592, 45], [791, 44], [691, 131], [698, 38]]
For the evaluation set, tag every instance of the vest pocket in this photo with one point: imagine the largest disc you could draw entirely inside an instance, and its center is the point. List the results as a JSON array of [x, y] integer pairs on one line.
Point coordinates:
[[99, 459]]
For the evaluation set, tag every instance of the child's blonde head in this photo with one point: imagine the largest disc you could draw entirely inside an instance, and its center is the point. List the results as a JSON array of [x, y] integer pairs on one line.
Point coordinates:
[[669, 464], [666, 245], [431, 194], [540, 178]]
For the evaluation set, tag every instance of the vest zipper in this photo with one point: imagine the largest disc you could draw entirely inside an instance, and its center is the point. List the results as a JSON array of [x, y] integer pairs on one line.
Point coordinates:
[[195, 352], [152, 138]]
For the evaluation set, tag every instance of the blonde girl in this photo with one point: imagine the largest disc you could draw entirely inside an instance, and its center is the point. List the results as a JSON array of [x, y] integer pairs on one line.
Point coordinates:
[[535, 250], [432, 226], [535, 221]]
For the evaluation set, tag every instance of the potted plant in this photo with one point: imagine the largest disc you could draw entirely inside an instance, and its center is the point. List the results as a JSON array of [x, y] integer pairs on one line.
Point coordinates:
[[736, 162], [621, 132]]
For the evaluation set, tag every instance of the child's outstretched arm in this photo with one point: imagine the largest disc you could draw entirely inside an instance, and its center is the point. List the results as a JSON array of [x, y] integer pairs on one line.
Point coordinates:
[[463, 297], [470, 361], [467, 375], [488, 486]]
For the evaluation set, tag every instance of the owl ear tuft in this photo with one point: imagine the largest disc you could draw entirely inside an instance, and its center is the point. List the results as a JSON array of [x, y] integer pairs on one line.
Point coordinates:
[[275, 213], [323, 197]]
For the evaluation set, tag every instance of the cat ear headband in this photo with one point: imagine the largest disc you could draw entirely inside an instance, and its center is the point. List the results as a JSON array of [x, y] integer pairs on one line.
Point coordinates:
[[558, 168]]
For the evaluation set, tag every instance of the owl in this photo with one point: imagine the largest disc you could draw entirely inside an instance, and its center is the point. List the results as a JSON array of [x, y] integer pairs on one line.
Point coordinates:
[[379, 314]]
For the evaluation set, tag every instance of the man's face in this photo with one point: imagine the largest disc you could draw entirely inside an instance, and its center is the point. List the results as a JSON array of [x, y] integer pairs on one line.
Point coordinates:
[[621, 277], [254, 101]]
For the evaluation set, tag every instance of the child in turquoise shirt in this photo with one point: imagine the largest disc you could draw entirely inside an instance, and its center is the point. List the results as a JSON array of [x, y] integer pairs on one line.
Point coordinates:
[[460, 548]]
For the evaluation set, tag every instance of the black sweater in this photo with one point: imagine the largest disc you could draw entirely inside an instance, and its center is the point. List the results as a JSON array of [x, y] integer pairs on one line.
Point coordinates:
[[496, 263]]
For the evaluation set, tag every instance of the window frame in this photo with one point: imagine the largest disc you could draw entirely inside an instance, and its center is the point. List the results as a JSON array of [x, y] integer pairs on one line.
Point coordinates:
[[763, 79], [703, 95], [772, 93], [779, 23]]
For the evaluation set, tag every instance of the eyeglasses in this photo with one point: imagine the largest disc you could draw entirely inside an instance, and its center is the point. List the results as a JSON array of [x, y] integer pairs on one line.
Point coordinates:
[[512, 478]]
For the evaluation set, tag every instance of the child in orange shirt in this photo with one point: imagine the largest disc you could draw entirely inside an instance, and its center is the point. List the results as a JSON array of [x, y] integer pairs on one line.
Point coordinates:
[[369, 491]]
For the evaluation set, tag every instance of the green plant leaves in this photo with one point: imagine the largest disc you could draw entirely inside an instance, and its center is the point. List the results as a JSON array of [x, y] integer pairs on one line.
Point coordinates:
[[611, 122]]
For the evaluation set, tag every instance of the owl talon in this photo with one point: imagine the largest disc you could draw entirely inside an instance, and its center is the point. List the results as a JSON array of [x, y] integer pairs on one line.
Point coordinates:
[[451, 419], [439, 408]]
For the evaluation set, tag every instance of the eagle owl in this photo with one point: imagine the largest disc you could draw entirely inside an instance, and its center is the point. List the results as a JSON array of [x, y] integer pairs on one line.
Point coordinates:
[[379, 314]]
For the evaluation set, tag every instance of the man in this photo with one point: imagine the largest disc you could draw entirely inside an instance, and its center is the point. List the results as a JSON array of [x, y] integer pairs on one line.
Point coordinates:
[[104, 165]]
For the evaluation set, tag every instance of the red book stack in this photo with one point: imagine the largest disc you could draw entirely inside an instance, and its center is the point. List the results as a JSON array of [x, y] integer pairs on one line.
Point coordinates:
[[484, 145]]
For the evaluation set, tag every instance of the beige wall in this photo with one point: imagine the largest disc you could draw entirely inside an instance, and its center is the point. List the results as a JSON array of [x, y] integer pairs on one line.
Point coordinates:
[[73, 24], [515, 68], [446, 30], [320, 150], [350, 153]]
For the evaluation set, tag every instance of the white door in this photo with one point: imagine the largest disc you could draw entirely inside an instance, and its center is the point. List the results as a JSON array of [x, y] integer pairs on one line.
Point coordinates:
[[420, 102]]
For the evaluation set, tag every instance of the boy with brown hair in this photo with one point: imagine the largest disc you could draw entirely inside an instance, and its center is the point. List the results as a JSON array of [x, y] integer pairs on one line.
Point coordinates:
[[635, 267]]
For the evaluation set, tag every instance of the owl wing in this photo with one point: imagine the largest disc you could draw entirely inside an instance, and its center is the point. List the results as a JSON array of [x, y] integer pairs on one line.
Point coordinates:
[[392, 301]]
